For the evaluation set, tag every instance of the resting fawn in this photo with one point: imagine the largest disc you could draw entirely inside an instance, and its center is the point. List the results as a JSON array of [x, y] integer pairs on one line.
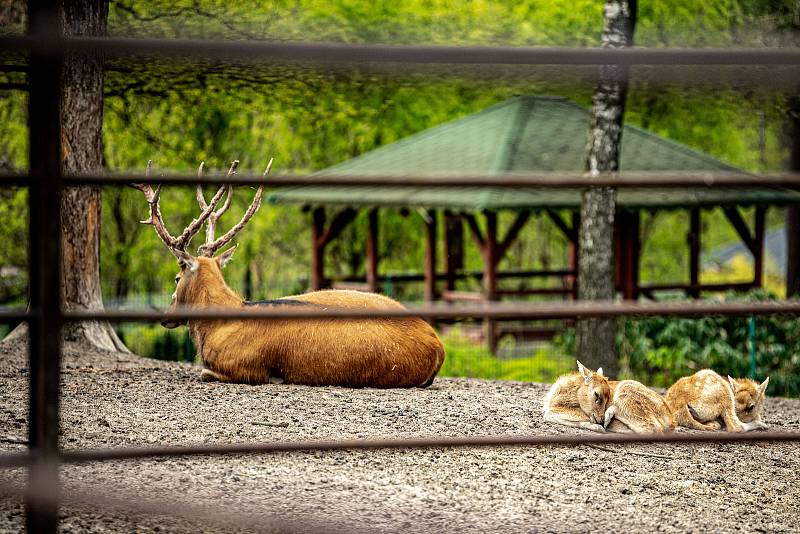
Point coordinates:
[[637, 408], [700, 401], [579, 399]]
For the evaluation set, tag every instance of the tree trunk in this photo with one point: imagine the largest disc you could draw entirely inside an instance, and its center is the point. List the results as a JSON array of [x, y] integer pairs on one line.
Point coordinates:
[[595, 337], [793, 212], [82, 151]]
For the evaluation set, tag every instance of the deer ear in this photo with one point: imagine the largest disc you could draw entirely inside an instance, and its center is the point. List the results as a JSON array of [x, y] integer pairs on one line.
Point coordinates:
[[587, 374], [732, 382], [763, 387], [187, 260], [600, 371], [226, 256]]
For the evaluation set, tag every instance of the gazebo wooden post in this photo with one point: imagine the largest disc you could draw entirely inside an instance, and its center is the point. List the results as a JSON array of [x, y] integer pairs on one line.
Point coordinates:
[[454, 247], [372, 250], [758, 246], [490, 260], [572, 278], [317, 249], [629, 230], [693, 238], [430, 256], [754, 242], [320, 237]]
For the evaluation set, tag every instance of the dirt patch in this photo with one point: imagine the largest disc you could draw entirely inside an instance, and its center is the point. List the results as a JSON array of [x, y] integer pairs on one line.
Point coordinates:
[[114, 400]]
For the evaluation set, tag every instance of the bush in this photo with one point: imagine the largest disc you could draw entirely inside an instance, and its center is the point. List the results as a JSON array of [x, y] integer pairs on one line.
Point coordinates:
[[659, 350]]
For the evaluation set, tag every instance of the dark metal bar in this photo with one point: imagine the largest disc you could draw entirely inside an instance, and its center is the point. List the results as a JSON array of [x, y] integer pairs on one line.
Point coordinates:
[[133, 453], [7, 316], [310, 52], [44, 265], [758, 246], [533, 179], [494, 310], [560, 180], [458, 275]]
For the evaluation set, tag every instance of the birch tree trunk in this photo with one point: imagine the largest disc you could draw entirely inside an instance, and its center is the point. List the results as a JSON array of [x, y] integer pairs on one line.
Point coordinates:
[[595, 337]]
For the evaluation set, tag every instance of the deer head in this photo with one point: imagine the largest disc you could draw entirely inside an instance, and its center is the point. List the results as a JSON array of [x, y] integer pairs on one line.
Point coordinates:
[[190, 266]]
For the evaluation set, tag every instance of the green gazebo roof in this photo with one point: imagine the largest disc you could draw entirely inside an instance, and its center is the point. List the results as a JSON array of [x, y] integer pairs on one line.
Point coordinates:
[[528, 133]]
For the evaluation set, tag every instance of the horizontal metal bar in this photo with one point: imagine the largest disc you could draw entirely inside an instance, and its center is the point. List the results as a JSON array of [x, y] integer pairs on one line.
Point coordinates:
[[321, 52], [15, 315], [537, 310], [503, 180], [78, 456]]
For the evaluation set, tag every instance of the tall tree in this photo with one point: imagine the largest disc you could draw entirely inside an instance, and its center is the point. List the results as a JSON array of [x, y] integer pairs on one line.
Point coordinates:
[[595, 337], [82, 151]]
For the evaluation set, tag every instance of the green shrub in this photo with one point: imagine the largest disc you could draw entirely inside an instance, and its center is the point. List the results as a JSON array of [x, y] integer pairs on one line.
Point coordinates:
[[659, 350]]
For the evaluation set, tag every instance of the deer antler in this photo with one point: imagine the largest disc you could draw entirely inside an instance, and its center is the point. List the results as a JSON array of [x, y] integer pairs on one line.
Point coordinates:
[[152, 197], [211, 224], [210, 247]]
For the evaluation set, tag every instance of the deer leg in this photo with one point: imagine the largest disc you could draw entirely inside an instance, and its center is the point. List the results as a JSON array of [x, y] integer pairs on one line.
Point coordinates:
[[571, 417], [684, 418], [207, 375]]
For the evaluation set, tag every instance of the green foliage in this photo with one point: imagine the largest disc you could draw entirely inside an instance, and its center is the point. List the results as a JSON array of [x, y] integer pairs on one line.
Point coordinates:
[[154, 341], [659, 350]]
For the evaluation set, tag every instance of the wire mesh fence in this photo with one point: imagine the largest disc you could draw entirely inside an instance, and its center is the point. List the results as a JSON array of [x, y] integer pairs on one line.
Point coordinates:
[[46, 182]]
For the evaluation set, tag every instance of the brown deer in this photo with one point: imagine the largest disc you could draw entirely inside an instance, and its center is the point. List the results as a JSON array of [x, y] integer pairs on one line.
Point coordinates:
[[579, 399], [636, 408], [705, 399], [381, 352]]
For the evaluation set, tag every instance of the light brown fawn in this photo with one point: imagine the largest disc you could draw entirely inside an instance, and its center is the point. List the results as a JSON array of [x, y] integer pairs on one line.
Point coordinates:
[[579, 399], [704, 399], [383, 353], [636, 408]]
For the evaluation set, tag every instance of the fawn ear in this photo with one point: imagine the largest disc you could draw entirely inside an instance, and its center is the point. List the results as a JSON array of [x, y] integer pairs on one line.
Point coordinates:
[[763, 387], [600, 371], [226, 256], [587, 374], [732, 382], [186, 260]]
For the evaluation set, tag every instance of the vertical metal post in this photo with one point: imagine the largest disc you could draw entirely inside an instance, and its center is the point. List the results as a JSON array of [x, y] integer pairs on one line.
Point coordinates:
[[44, 201]]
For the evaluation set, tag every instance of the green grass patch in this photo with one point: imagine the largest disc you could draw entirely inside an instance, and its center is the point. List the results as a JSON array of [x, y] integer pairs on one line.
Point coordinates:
[[467, 358]]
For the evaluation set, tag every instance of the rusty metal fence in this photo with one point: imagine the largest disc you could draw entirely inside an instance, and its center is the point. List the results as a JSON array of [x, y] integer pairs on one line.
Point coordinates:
[[46, 49]]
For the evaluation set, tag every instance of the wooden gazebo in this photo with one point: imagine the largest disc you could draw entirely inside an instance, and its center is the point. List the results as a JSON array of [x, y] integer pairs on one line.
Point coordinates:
[[530, 133]]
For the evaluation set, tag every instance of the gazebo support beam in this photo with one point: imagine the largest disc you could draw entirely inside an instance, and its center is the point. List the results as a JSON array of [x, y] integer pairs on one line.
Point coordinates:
[[694, 241], [430, 256], [320, 237], [754, 242], [372, 250], [454, 247]]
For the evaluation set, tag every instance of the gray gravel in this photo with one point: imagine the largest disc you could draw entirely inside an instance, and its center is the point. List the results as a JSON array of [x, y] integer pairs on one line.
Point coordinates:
[[112, 400]]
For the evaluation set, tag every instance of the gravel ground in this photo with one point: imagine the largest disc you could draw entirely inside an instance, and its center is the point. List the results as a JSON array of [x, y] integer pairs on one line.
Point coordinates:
[[112, 400]]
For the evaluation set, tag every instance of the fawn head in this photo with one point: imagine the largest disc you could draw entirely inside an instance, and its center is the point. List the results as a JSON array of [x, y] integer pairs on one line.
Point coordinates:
[[594, 395], [749, 396]]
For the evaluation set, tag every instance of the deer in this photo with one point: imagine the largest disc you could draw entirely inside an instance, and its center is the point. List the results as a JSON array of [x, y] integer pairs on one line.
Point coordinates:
[[579, 399], [346, 352], [704, 399], [636, 408]]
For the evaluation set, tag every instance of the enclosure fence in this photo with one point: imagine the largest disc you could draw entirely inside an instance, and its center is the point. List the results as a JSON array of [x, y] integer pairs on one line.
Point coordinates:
[[46, 50]]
